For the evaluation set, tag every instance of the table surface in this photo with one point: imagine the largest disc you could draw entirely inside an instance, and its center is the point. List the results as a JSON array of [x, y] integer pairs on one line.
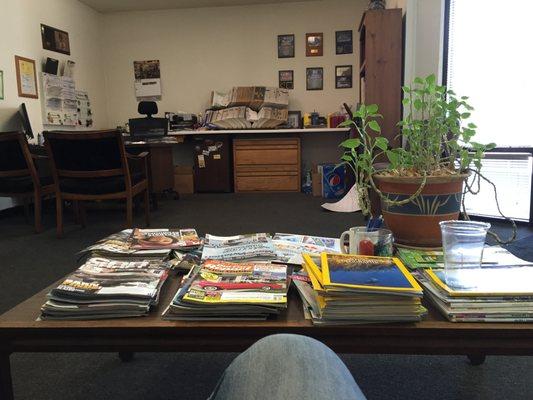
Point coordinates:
[[19, 331], [270, 131]]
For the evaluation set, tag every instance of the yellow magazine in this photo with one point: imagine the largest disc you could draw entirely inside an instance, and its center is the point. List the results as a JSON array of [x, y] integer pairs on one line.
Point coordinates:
[[313, 268], [367, 274]]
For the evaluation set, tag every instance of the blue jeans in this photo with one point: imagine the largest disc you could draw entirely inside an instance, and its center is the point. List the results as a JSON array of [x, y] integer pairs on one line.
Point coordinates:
[[287, 367]]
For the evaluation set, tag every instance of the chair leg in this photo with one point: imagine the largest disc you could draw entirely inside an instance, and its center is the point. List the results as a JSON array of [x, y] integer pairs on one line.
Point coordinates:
[[147, 207], [59, 215], [83, 214], [38, 215], [129, 211]]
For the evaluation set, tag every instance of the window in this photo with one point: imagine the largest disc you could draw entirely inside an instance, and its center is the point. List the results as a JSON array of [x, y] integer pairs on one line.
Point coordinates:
[[487, 58]]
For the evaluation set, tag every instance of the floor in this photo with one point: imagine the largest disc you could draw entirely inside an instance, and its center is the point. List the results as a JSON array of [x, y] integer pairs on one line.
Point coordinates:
[[30, 262]]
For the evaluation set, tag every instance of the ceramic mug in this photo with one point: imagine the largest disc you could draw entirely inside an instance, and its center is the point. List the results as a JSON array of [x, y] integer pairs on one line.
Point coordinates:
[[362, 241]]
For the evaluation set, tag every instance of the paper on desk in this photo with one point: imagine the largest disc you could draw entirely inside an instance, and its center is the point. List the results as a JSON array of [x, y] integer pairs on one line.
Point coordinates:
[[348, 203]]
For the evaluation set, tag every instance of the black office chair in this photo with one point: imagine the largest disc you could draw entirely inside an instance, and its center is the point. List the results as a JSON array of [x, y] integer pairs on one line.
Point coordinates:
[[148, 127]]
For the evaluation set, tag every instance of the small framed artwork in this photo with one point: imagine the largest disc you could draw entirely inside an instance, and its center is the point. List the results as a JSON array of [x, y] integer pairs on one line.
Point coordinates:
[[286, 79], [343, 77], [314, 78], [26, 77], [285, 46], [295, 119], [343, 42], [1, 85], [314, 44], [55, 39]]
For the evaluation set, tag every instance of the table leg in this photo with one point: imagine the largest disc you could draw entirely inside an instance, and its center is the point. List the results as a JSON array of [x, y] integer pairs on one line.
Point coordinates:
[[6, 384], [126, 356], [476, 359]]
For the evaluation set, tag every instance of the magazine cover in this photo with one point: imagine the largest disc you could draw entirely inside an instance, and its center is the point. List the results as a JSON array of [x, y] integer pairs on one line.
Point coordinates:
[[220, 282], [256, 246], [378, 274], [145, 239], [289, 247]]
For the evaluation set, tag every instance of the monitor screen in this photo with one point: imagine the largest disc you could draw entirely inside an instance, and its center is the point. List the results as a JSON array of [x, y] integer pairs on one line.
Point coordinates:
[[26, 125], [148, 127]]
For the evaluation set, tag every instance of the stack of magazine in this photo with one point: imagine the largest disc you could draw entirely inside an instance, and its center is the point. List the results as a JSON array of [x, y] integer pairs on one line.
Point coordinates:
[[106, 288], [348, 289], [289, 247], [256, 246], [492, 293], [223, 290]]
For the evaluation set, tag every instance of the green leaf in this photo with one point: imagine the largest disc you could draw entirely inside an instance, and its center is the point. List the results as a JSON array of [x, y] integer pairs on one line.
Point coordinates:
[[471, 125], [430, 80], [346, 123], [405, 102], [406, 89], [382, 143], [417, 104], [351, 143], [346, 158], [372, 109], [394, 158], [465, 115], [374, 126], [419, 80], [490, 146]]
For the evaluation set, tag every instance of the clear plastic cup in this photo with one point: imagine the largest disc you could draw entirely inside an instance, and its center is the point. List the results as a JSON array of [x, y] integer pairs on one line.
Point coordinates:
[[462, 244]]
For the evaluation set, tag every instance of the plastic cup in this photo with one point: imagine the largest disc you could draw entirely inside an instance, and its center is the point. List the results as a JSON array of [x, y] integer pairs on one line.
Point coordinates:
[[462, 244]]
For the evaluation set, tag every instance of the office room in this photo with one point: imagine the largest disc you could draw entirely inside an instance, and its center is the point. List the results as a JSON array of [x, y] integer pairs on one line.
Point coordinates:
[[267, 199]]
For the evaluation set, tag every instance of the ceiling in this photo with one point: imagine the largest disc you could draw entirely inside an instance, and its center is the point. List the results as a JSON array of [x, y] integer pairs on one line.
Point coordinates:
[[108, 6]]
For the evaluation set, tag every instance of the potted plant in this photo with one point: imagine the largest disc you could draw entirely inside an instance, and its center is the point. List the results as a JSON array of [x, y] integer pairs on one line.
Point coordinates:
[[423, 183]]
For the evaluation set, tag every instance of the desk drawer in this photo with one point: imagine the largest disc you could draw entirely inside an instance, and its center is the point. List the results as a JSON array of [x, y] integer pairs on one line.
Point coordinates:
[[267, 151], [268, 183]]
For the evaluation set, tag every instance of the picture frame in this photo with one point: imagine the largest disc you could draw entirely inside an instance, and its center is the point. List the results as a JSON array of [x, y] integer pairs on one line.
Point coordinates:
[[343, 77], [26, 77], [286, 79], [314, 44], [295, 119], [55, 39], [286, 44], [344, 42], [314, 78], [1, 85]]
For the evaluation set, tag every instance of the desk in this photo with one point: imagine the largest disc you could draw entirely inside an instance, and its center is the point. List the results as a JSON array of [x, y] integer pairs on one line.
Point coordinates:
[[19, 332], [258, 131]]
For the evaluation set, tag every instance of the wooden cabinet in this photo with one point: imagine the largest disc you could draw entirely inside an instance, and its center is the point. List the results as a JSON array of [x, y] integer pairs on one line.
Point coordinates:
[[270, 165], [380, 67]]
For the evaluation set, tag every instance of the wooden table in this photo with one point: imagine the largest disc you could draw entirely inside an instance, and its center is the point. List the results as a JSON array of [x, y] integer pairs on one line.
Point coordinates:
[[20, 332]]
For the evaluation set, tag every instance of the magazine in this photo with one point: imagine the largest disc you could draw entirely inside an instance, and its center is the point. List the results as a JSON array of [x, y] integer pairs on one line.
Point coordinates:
[[256, 246], [147, 239], [289, 247]]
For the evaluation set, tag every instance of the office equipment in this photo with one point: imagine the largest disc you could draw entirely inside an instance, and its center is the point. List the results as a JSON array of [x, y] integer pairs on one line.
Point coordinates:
[[266, 165], [212, 164], [148, 127], [177, 121], [19, 177], [26, 125], [94, 165]]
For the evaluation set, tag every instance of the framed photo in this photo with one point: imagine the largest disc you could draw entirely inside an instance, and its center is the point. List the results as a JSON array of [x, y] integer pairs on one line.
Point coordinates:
[[55, 39], [343, 76], [1, 85], [314, 78], [286, 79], [26, 77], [295, 119], [314, 44], [343, 42], [285, 46]]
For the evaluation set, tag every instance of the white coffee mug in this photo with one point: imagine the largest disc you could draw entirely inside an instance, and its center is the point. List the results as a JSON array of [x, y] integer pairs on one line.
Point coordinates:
[[352, 240], [381, 241]]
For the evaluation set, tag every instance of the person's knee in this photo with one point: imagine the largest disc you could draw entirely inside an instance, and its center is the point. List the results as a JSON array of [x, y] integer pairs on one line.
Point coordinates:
[[287, 343]]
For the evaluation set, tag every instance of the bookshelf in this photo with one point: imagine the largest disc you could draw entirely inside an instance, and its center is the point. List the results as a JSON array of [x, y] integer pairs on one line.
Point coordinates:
[[380, 67]]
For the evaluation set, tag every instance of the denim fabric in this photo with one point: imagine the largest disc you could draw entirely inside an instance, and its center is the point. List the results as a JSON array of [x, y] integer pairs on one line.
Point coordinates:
[[290, 367]]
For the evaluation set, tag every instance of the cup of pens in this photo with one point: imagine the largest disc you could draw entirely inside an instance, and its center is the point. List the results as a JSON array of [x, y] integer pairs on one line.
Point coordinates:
[[368, 241]]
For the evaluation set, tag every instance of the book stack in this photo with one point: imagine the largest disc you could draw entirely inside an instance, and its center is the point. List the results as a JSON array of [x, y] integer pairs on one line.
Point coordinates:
[[223, 290], [348, 289], [492, 293], [104, 288]]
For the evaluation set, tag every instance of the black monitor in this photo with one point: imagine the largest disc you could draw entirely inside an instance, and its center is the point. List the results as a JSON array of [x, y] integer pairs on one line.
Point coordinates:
[[26, 125], [148, 127]]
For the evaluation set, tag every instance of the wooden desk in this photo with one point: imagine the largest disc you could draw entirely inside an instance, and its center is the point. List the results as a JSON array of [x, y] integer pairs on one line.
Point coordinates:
[[257, 131], [20, 332]]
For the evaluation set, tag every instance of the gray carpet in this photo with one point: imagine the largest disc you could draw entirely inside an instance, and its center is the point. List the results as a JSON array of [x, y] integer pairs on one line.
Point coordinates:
[[31, 262]]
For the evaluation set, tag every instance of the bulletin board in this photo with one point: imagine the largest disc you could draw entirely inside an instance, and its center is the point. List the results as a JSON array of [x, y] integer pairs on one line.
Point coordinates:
[[60, 102]]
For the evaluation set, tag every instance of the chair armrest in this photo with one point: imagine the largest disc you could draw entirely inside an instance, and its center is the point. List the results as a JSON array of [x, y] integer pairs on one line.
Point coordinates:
[[139, 156], [140, 161], [39, 157]]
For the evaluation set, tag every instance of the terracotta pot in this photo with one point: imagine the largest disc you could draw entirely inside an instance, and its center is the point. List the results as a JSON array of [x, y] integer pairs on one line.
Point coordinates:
[[417, 222]]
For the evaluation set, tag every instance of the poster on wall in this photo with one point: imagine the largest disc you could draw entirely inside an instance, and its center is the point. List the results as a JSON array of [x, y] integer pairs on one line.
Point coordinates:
[[343, 42], [147, 79], [286, 79], [60, 102], [285, 46], [343, 76], [26, 77], [55, 39], [314, 78], [85, 114], [314, 44]]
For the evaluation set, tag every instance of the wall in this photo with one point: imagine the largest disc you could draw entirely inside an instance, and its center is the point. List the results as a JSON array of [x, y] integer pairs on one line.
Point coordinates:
[[207, 49], [21, 35]]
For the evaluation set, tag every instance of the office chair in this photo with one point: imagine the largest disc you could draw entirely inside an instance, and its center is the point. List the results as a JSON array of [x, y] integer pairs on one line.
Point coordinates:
[[93, 165], [148, 127], [18, 174]]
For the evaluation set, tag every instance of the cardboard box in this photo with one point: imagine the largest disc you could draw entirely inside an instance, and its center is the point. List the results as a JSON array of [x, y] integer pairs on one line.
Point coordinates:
[[183, 180]]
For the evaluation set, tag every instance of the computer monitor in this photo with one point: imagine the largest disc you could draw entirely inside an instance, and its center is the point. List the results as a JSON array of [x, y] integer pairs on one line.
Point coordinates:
[[26, 125], [148, 127]]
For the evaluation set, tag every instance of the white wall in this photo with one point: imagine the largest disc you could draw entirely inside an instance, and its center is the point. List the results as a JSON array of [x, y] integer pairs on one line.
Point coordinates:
[[21, 35], [216, 48]]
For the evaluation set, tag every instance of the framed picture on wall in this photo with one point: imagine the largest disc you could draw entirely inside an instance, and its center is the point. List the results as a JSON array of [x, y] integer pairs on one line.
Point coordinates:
[[1, 85], [343, 76], [286, 79], [55, 39], [285, 46], [295, 119], [314, 78], [26, 77], [343, 42], [314, 44]]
